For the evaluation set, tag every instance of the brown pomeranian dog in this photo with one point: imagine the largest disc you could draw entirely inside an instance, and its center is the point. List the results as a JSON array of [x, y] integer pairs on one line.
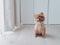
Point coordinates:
[[39, 29]]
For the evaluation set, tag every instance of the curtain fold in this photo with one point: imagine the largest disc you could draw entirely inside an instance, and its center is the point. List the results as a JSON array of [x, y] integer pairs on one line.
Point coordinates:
[[18, 12], [9, 15], [12, 14]]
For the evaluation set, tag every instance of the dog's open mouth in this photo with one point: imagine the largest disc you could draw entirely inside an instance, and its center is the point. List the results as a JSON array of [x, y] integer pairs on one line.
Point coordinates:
[[41, 18]]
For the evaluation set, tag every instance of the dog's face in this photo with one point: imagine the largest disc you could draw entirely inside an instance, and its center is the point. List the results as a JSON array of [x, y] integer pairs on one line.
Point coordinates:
[[39, 17]]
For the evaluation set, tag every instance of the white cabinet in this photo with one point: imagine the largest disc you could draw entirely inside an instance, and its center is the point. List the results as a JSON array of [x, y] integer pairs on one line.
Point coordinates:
[[54, 12], [29, 7], [50, 8]]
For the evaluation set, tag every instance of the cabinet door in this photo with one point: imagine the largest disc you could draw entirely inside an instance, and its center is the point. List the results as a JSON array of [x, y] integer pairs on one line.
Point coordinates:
[[27, 11], [41, 6], [54, 11]]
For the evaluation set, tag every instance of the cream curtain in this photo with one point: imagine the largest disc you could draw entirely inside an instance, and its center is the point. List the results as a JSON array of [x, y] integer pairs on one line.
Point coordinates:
[[18, 12], [1, 16], [12, 14], [9, 15]]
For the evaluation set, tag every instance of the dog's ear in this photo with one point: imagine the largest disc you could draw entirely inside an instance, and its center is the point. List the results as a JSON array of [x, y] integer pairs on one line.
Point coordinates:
[[42, 13]]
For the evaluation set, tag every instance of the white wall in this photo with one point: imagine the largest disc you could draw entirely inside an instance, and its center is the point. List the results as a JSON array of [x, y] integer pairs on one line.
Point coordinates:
[[51, 9], [31, 7], [27, 12], [1, 16], [41, 6]]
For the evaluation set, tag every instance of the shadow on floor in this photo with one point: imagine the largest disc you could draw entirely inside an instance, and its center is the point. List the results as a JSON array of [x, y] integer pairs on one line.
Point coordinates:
[[50, 36]]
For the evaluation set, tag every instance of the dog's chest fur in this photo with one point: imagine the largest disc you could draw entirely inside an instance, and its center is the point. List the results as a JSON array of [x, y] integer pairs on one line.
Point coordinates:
[[38, 27]]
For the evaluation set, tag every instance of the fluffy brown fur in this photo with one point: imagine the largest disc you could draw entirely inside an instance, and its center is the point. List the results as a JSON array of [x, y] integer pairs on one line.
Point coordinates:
[[39, 29]]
